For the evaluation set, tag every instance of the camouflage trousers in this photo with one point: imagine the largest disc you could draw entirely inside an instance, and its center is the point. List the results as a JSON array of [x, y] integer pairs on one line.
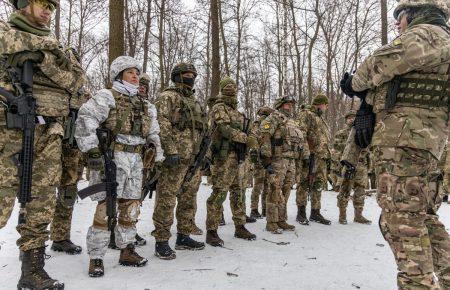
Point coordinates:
[[409, 222], [67, 193], [226, 176], [168, 195], [46, 176], [260, 187], [358, 184], [319, 184], [280, 185]]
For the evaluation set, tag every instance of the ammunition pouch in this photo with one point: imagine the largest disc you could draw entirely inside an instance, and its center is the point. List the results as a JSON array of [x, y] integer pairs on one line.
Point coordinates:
[[277, 142]]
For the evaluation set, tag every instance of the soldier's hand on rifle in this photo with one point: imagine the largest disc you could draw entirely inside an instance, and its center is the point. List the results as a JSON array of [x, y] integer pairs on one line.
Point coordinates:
[[346, 87], [254, 155], [18, 59], [95, 160], [62, 60], [172, 160]]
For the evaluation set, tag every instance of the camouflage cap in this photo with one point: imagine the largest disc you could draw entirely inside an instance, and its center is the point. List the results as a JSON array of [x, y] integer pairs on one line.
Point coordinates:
[[350, 114], [226, 81], [19, 4], [264, 111], [122, 63], [182, 68], [144, 79], [282, 100], [320, 99], [443, 5]]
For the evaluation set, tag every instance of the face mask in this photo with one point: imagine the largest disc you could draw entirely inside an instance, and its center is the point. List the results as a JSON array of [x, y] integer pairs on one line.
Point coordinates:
[[319, 112], [189, 82]]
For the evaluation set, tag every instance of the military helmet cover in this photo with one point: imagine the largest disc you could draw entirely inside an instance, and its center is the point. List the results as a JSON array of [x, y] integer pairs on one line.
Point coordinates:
[[19, 4], [226, 81], [320, 99], [443, 5], [182, 68], [282, 100], [122, 63], [350, 114]]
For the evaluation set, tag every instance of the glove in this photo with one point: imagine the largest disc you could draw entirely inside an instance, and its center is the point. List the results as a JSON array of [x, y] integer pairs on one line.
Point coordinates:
[[95, 160], [254, 155], [270, 170], [346, 87], [18, 59], [62, 60], [364, 125], [172, 160]]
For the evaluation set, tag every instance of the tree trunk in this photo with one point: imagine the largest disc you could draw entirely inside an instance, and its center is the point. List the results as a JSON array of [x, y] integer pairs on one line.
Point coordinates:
[[215, 41], [224, 40], [116, 29], [310, 48], [162, 10], [384, 22], [58, 23], [147, 35]]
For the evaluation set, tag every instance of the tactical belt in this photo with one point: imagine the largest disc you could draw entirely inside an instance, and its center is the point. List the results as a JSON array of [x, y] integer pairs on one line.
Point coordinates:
[[128, 148], [423, 92]]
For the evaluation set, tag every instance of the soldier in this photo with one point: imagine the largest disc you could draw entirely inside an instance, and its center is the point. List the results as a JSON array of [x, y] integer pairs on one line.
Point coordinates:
[[183, 125], [56, 77], [406, 84], [317, 134], [358, 179], [132, 123], [282, 144], [261, 185], [228, 155]]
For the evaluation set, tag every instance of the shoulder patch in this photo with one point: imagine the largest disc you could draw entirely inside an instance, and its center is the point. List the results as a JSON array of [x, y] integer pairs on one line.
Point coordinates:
[[266, 126], [397, 41]]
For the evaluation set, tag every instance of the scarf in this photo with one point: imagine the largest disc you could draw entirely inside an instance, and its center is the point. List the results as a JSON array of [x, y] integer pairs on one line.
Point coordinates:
[[430, 15], [125, 88], [20, 21]]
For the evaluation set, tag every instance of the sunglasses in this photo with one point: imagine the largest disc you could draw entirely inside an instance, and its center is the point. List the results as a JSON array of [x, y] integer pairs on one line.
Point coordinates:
[[46, 5]]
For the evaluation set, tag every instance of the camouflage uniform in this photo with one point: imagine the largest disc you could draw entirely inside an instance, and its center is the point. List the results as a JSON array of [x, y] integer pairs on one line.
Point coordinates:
[[282, 143], [409, 138]]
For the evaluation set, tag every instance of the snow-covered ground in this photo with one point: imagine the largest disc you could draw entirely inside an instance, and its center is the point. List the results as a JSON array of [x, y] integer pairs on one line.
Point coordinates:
[[317, 257]]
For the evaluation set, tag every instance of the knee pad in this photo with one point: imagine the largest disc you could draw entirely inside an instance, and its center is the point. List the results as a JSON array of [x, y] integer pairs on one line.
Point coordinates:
[[100, 217], [129, 210]]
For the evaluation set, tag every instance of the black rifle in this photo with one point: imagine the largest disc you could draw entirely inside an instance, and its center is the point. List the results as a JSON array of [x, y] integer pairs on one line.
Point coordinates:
[[349, 170], [69, 129], [21, 115], [109, 183], [150, 185], [241, 148]]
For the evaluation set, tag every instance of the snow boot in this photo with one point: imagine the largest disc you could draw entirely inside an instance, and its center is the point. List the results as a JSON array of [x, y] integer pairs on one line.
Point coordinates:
[[129, 257], [318, 218], [274, 228], [222, 220], [196, 231], [255, 214], [343, 215], [67, 247], [249, 219], [163, 251], [96, 268], [359, 218], [301, 215], [184, 242], [285, 226], [112, 241], [213, 239], [242, 233], [140, 241], [33, 274]]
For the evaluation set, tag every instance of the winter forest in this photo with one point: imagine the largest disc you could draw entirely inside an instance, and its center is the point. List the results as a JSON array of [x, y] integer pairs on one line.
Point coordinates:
[[271, 47]]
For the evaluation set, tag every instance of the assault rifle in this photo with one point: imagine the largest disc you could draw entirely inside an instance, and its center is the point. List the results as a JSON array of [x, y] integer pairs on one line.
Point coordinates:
[[312, 171], [350, 170], [109, 183], [241, 148], [21, 115], [150, 184], [69, 129]]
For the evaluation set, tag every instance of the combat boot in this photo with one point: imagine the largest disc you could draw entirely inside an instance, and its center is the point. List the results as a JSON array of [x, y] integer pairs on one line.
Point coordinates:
[[249, 219], [242, 233], [112, 241], [33, 274], [196, 231], [222, 220], [96, 268], [301, 215], [343, 215], [184, 242], [274, 228], [67, 247], [140, 241], [285, 226], [129, 257], [213, 239], [317, 217], [359, 218], [164, 252], [255, 214]]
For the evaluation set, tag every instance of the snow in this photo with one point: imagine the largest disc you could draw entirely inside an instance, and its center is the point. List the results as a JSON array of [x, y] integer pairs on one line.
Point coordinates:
[[353, 256]]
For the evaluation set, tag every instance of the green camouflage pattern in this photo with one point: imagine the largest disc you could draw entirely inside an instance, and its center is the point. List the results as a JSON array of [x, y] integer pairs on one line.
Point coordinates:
[[314, 194], [443, 5], [260, 187], [316, 132]]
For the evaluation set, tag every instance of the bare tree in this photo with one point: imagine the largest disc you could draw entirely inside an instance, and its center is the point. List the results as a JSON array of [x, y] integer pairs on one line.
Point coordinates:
[[116, 29]]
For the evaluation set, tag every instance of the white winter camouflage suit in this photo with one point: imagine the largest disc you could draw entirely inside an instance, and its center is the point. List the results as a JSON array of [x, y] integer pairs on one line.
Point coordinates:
[[91, 116]]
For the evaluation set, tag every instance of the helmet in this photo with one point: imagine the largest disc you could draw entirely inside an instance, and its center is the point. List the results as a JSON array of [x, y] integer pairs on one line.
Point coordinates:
[[320, 99], [19, 4], [122, 63], [182, 68], [144, 79], [443, 5], [226, 81], [350, 114], [264, 111], [286, 99]]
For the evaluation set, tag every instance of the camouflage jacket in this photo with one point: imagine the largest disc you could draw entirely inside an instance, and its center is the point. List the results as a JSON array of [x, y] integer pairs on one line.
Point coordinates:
[[340, 142], [316, 132], [53, 87], [281, 137], [421, 52], [182, 120]]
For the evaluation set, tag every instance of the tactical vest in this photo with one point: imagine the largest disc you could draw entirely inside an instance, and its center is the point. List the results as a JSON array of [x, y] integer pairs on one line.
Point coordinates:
[[189, 115], [129, 117], [287, 139]]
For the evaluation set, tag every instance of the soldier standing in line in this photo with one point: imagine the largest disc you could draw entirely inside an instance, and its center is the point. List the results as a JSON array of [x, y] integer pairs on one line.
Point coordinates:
[[405, 83], [228, 155], [317, 134], [57, 76]]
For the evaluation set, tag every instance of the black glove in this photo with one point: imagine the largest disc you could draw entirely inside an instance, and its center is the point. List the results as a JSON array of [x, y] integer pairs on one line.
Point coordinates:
[[18, 59], [270, 170], [346, 87], [254, 155], [364, 125], [95, 160], [173, 160]]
